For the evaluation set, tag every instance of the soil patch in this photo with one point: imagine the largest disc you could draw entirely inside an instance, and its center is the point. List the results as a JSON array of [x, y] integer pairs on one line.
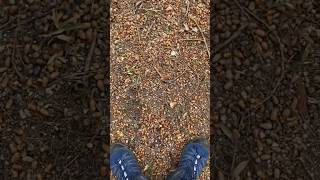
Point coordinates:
[[266, 89], [53, 113]]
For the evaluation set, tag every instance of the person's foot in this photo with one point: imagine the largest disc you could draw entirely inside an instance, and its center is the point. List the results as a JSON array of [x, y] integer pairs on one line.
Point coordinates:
[[193, 159], [123, 163]]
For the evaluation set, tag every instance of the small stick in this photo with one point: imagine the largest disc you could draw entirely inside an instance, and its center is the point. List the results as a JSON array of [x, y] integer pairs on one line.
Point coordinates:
[[188, 7], [230, 39], [280, 47], [191, 40], [89, 57], [204, 38], [274, 89], [174, 79], [13, 57], [157, 70], [5, 24], [160, 14], [167, 81], [307, 169], [149, 29]]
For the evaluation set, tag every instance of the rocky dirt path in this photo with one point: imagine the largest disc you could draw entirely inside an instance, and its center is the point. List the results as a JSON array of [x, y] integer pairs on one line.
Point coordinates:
[[159, 79]]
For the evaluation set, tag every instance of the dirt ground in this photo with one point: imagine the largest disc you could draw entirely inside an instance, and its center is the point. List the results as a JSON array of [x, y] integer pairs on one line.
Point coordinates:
[[266, 89], [53, 69], [159, 79]]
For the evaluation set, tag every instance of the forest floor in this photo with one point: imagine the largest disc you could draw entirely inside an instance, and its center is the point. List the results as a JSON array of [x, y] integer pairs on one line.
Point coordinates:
[[53, 97], [266, 106], [159, 79]]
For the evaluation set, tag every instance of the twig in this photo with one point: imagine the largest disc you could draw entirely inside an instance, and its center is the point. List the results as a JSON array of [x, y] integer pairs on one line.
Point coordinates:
[[13, 57], [168, 81], [204, 38], [188, 7], [273, 90], [174, 79], [89, 57], [307, 169], [157, 70], [149, 29], [61, 30], [137, 6], [230, 39], [77, 156], [161, 14], [69, 163], [5, 24], [281, 51], [233, 162], [150, 9], [191, 39]]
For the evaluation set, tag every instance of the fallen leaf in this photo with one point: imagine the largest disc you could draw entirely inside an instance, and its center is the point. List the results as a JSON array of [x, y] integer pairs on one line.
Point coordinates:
[[169, 8], [226, 131], [64, 38], [92, 105], [267, 125], [3, 69], [165, 77], [173, 53], [44, 112], [186, 27], [173, 104], [220, 175], [103, 171], [241, 166], [290, 6], [194, 29], [9, 103], [146, 167], [100, 85], [260, 32]]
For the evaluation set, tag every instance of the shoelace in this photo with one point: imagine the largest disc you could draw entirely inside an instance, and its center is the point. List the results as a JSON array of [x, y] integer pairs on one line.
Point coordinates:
[[123, 162], [194, 158], [195, 168], [123, 170], [199, 164]]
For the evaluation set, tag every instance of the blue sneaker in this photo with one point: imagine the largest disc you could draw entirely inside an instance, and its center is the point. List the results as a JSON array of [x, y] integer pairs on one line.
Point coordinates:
[[193, 159], [123, 163]]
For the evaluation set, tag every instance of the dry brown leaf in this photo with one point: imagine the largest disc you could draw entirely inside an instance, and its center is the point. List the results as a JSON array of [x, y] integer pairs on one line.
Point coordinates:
[[4, 82], [3, 69], [241, 166], [186, 27], [100, 85], [220, 175], [226, 131], [9, 103], [103, 171], [173, 104], [54, 75], [260, 32], [64, 38], [236, 135], [92, 105], [44, 112], [165, 77]]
